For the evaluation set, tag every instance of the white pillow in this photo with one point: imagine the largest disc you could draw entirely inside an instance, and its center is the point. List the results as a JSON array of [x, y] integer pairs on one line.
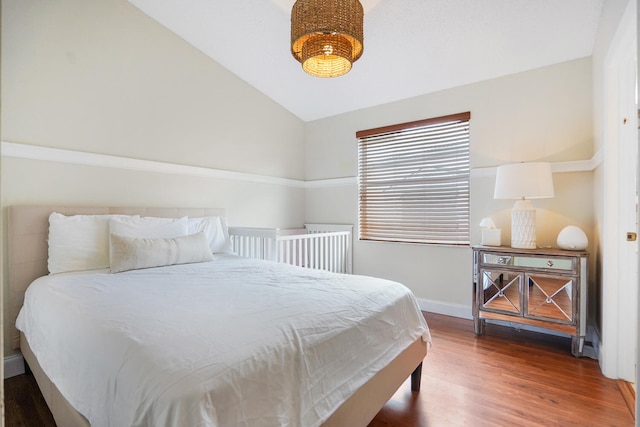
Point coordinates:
[[216, 230], [78, 242], [132, 253], [150, 227]]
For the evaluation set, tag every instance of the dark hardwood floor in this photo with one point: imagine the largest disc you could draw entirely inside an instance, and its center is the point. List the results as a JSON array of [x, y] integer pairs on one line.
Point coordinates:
[[504, 378], [24, 406]]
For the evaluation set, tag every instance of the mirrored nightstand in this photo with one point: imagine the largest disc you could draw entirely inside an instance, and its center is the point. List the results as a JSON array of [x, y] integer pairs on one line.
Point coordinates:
[[546, 288]]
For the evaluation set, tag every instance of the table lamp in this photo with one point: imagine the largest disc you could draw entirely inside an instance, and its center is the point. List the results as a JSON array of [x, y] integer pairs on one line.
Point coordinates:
[[522, 182]]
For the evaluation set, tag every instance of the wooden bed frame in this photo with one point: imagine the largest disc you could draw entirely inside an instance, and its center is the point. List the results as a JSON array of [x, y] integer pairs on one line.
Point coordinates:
[[27, 254]]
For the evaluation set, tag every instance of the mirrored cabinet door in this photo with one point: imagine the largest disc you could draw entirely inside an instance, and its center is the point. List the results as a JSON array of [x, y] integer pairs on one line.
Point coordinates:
[[550, 298], [501, 291]]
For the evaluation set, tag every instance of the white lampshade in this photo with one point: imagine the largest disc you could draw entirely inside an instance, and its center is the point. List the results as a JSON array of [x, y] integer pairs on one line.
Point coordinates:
[[522, 181]]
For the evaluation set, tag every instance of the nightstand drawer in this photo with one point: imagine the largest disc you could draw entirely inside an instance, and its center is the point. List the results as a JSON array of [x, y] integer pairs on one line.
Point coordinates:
[[527, 261]]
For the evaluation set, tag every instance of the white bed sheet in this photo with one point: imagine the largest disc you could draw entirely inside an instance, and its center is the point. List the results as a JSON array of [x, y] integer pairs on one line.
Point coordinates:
[[229, 342]]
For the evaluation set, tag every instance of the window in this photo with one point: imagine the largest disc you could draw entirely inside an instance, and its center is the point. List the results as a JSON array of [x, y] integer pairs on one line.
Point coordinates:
[[413, 181]]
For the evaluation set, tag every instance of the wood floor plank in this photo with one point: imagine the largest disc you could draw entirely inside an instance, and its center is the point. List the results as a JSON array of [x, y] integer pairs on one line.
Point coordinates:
[[503, 378]]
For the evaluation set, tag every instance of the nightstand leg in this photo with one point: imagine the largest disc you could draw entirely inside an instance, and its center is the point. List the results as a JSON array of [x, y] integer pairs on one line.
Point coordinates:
[[577, 346], [478, 325]]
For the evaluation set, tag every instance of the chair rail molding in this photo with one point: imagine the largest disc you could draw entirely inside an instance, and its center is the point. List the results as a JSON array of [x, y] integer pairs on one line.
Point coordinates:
[[35, 152], [557, 167]]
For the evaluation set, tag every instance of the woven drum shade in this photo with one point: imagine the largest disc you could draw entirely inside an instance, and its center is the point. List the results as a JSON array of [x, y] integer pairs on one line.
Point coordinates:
[[327, 35]]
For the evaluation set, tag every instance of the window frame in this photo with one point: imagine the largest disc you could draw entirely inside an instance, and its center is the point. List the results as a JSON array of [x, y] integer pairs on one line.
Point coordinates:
[[428, 139]]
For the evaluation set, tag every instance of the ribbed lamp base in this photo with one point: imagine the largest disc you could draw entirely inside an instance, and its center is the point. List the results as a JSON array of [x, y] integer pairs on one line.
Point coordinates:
[[523, 225]]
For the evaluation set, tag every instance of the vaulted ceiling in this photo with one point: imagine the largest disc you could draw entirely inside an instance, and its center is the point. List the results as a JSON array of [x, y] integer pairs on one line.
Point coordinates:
[[411, 47]]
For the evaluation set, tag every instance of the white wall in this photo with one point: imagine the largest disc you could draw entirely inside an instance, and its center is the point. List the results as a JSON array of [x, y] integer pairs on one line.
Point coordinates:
[[544, 114], [102, 77]]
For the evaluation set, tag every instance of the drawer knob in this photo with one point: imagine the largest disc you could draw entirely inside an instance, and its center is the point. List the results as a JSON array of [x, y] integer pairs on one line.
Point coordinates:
[[502, 260], [550, 263]]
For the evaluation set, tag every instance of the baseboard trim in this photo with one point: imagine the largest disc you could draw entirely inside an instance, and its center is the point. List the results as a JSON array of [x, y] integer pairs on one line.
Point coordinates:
[[13, 366], [592, 343], [448, 309]]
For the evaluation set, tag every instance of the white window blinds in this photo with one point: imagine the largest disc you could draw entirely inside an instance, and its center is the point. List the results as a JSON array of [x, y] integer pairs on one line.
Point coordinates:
[[413, 181]]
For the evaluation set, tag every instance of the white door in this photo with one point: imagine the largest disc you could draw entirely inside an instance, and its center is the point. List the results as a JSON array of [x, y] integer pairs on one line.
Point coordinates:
[[620, 258], [628, 225]]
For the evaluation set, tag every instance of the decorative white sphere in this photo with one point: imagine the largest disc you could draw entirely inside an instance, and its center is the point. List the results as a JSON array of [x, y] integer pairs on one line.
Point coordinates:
[[572, 238]]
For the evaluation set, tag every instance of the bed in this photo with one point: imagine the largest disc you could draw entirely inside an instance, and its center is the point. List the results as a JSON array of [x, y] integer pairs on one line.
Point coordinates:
[[214, 382]]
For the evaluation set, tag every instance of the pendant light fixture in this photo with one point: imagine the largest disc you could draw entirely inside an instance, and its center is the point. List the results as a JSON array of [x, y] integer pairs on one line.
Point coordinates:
[[326, 35]]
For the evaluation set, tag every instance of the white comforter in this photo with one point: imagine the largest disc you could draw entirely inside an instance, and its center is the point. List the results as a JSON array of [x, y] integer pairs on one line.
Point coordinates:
[[224, 343]]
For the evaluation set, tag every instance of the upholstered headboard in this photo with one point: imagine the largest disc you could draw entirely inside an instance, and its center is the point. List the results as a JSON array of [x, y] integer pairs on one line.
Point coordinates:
[[28, 228]]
